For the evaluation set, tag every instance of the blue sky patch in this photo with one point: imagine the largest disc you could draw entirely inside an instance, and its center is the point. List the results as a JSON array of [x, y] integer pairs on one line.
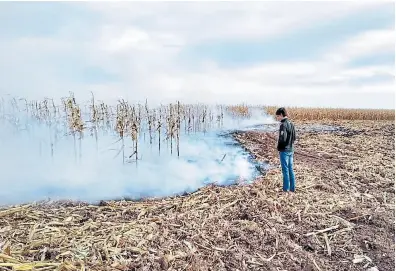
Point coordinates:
[[303, 45]]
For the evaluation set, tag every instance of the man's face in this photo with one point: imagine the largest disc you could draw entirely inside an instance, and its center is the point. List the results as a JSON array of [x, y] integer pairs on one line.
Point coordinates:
[[279, 117]]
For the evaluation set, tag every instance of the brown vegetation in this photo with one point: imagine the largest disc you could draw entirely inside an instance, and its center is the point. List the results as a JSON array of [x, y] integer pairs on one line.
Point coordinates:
[[341, 218], [299, 113]]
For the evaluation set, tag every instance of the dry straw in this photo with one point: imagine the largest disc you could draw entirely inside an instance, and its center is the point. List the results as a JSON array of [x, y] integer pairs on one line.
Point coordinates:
[[345, 197], [326, 225]]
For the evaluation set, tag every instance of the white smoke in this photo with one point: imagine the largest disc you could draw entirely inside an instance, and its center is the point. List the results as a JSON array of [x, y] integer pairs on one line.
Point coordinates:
[[39, 163]]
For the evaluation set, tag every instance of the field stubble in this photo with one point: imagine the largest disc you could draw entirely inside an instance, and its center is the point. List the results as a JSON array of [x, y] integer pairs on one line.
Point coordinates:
[[341, 217]]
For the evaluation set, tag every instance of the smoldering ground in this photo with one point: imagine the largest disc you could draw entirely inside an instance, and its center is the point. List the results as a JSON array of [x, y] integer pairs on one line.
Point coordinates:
[[42, 160]]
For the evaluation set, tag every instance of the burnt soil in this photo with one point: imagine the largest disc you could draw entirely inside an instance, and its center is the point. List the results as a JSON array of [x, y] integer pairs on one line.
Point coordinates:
[[341, 217], [354, 161]]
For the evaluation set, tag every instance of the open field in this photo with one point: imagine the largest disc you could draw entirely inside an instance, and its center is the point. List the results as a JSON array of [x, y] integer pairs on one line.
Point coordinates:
[[299, 113], [341, 218], [320, 114]]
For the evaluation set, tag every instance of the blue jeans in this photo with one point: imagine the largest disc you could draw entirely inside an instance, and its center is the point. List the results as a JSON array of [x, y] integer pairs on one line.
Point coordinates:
[[289, 182]]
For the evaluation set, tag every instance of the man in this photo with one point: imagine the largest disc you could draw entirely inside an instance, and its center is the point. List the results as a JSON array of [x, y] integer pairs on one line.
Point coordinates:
[[287, 136]]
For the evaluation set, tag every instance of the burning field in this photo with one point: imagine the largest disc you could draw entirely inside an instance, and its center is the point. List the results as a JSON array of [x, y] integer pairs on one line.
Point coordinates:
[[235, 216]]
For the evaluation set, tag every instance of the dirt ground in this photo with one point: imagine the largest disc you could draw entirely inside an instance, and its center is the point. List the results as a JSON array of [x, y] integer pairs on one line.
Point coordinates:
[[341, 217], [347, 174]]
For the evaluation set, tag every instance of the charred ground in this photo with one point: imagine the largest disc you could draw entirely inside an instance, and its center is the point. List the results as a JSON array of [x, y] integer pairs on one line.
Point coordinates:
[[341, 218]]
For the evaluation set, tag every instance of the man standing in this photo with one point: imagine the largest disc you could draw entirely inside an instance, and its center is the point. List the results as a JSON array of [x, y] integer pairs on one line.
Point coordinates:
[[287, 136]]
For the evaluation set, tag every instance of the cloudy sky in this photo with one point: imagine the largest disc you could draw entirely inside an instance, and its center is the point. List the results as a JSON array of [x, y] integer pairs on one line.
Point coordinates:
[[338, 54]]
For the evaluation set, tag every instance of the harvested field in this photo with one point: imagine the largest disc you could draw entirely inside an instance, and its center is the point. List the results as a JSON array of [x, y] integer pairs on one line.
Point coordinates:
[[301, 113], [341, 218]]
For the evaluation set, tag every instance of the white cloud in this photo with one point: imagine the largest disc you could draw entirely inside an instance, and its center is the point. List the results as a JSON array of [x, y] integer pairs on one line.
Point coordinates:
[[199, 21], [367, 43], [142, 45]]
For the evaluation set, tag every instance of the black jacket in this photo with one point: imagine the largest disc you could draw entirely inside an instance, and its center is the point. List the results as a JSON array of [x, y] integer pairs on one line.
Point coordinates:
[[287, 136]]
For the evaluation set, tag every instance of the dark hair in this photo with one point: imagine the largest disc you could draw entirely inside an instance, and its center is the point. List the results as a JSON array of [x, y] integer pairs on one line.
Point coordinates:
[[281, 111]]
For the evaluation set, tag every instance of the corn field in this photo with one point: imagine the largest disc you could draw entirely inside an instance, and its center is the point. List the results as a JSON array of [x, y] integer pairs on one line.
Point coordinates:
[[136, 123], [299, 113], [161, 126]]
